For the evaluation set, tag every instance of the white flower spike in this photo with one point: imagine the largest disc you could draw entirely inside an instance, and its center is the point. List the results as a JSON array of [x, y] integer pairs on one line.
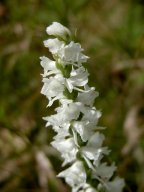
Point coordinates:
[[78, 137]]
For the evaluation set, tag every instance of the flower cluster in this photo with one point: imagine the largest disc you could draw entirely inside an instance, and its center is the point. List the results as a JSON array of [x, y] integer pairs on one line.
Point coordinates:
[[78, 137]]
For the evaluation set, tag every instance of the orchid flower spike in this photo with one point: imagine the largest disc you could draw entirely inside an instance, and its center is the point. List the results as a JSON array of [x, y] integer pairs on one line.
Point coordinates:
[[78, 137]]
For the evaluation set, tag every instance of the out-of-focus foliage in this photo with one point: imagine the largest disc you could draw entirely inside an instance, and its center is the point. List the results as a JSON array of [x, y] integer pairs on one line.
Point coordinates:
[[112, 34]]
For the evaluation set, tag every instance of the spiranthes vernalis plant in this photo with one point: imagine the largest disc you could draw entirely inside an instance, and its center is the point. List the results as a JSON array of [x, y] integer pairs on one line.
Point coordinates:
[[78, 137]]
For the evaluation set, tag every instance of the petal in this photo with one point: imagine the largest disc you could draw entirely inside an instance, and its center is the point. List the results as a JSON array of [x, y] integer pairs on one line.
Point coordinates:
[[104, 171], [67, 148]]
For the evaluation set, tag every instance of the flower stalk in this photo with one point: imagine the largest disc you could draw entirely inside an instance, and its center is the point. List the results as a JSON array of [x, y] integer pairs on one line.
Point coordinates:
[[78, 137]]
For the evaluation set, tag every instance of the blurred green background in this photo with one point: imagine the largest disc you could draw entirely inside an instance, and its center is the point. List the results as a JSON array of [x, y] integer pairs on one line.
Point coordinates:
[[112, 34]]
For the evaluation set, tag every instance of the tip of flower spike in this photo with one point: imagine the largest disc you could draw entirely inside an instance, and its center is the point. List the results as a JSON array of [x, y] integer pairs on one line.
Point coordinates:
[[58, 30]]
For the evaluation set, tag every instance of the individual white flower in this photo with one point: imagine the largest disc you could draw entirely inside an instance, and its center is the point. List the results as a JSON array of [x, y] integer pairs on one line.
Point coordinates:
[[75, 175], [54, 45], [86, 126], [72, 53], [65, 114], [91, 114], [81, 127], [62, 131], [96, 140], [67, 148], [104, 171], [78, 77], [49, 66], [94, 150], [94, 154], [53, 88], [88, 96], [58, 30], [115, 185], [68, 112]]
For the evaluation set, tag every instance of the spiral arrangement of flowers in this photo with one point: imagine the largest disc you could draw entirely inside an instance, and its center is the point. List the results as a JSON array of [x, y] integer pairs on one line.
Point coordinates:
[[78, 137]]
